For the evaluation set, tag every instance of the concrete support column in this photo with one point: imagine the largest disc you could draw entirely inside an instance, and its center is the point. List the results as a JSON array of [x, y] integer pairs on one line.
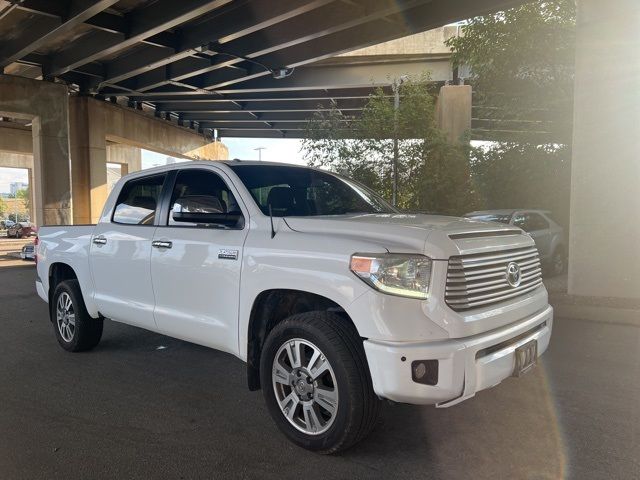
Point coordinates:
[[605, 179], [453, 111], [32, 197], [88, 160], [129, 158], [211, 151], [46, 105]]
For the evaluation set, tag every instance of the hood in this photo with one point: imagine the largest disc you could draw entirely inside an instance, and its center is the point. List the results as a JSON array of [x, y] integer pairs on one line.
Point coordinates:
[[437, 236]]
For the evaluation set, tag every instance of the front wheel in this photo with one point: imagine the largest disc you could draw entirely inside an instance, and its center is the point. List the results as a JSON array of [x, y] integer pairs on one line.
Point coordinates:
[[75, 329], [316, 383]]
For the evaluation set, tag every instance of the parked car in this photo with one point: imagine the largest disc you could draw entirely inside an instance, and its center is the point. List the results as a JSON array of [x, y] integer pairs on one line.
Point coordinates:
[[28, 252], [7, 223], [21, 230], [545, 231], [332, 298]]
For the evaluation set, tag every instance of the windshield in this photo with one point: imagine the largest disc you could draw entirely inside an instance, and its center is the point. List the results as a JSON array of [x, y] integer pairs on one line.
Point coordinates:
[[491, 217], [304, 192]]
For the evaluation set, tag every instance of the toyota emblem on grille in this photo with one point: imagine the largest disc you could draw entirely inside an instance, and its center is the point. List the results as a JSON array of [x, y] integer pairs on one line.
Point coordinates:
[[513, 274]]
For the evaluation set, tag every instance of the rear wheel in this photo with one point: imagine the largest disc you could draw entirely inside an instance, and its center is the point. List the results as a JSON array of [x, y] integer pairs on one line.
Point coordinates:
[[75, 329], [316, 384]]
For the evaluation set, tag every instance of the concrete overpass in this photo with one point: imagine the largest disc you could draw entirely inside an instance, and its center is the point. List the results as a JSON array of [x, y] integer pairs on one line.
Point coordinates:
[[126, 61]]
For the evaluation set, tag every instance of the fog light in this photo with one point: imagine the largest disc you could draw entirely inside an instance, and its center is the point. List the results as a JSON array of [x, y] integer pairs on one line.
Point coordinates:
[[425, 371]]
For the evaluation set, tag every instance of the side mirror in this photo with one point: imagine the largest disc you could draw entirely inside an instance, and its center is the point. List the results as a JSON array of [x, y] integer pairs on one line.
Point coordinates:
[[204, 210]]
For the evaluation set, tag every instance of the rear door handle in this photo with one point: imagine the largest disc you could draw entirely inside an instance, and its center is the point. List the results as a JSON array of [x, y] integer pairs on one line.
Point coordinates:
[[99, 240], [161, 244]]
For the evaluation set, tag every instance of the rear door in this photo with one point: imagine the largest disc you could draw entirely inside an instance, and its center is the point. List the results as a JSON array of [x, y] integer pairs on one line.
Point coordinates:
[[121, 254], [196, 260]]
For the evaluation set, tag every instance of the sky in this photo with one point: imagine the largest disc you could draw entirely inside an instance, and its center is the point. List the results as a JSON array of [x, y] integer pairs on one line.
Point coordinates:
[[10, 175], [283, 150]]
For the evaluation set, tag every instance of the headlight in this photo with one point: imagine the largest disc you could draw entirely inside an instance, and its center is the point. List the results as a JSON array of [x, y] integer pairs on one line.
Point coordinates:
[[394, 273]]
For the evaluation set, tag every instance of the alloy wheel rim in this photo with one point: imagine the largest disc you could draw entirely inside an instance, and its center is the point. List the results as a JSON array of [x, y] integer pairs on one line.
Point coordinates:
[[305, 386], [65, 317]]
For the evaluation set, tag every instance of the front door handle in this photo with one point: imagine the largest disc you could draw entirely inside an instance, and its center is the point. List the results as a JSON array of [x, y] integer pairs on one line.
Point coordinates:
[[161, 244], [99, 240]]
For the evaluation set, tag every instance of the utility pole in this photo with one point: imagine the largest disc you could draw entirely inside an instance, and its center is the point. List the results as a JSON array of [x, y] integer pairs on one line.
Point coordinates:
[[259, 149], [395, 86]]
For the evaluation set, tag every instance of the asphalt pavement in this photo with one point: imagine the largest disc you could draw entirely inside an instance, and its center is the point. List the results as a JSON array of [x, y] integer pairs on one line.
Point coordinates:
[[142, 405]]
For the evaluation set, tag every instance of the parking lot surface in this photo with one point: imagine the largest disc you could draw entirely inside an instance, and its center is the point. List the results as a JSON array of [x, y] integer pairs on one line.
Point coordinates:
[[142, 405]]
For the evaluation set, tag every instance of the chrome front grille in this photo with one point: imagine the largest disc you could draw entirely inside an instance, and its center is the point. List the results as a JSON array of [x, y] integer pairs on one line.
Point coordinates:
[[481, 279]]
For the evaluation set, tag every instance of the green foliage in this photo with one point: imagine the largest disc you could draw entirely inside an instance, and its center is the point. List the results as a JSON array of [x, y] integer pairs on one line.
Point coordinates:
[[24, 194], [3, 208], [433, 174], [512, 175], [522, 63]]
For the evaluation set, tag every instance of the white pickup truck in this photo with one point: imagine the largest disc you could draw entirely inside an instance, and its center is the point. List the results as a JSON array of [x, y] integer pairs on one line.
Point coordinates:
[[332, 298]]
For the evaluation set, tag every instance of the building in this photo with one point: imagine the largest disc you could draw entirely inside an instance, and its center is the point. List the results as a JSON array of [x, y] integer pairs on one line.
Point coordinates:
[[15, 187]]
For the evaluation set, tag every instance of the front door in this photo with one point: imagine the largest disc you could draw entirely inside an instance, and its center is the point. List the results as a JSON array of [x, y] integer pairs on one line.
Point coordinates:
[[196, 260], [121, 254]]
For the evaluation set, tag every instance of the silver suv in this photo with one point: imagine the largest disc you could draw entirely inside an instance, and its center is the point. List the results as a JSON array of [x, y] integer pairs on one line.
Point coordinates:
[[548, 235]]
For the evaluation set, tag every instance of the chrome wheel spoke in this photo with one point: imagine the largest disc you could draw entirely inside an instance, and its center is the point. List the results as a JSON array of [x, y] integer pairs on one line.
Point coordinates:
[[312, 361], [293, 352], [323, 366], [311, 419], [72, 319], [67, 304], [281, 374], [289, 405], [327, 399]]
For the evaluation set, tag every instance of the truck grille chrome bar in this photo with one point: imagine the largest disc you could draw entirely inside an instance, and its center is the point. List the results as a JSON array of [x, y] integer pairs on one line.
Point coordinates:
[[482, 279]]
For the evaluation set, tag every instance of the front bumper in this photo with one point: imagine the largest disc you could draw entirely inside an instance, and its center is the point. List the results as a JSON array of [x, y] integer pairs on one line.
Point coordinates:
[[461, 370]]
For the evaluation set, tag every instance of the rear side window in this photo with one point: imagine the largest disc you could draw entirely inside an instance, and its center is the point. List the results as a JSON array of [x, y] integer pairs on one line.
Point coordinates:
[[537, 222], [530, 222], [138, 201]]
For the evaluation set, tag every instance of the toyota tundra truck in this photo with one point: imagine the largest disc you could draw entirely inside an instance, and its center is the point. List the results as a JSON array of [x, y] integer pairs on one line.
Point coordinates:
[[333, 298]]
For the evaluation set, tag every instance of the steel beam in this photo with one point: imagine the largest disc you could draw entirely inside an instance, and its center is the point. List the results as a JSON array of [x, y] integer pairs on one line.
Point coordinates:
[[245, 116], [226, 26], [413, 20], [311, 25], [45, 28], [142, 24], [268, 106], [320, 94]]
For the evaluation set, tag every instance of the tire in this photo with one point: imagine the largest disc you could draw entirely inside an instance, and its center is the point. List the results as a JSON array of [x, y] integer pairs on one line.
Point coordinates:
[[75, 329], [346, 379]]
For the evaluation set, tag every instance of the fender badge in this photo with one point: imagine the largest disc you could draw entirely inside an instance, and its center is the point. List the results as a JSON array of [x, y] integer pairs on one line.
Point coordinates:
[[228, 254]]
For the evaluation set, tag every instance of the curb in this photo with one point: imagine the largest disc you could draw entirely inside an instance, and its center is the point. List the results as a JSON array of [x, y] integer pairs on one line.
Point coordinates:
[[597, 313]]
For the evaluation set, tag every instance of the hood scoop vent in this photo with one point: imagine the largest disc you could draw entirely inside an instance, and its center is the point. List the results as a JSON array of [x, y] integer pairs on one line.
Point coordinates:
[[484, 233]]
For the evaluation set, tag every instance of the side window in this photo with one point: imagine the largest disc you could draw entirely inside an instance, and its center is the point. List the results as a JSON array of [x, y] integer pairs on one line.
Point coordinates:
[[536, 222], [201, 198], [138, 201]]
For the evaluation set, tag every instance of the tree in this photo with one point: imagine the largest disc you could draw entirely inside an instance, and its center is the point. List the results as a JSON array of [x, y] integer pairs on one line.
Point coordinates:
[[512, 175], [433, 174], [3, 208], [24, 194], [522, 67]]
